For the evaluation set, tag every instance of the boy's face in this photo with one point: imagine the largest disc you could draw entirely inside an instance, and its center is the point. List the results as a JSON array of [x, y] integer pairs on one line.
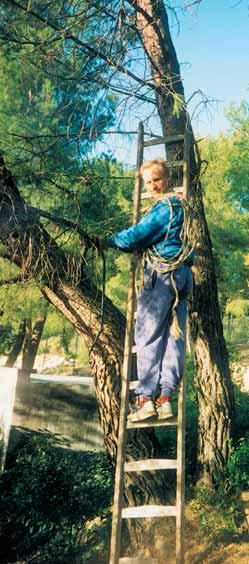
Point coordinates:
[[155, 181]]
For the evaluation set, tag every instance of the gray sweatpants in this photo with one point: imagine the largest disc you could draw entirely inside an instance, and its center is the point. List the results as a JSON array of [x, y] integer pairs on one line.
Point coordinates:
[[160, 357]]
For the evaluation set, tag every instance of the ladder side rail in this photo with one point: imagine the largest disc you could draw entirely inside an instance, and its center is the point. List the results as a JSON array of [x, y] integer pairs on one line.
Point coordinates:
[[186, 165], [162, 140], [119, 474], [138, 180], [180, 473]]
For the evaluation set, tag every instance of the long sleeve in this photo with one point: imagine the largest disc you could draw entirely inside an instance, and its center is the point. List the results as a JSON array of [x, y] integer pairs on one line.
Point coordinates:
[[150, 229]]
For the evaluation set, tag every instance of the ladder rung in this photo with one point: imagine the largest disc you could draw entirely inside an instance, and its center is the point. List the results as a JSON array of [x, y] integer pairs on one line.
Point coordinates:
[[174, 163], [148, 195], [148, 511], [133, 349], [160, 140], [133, 384], [138, 560], [152, 423], [150, 464]]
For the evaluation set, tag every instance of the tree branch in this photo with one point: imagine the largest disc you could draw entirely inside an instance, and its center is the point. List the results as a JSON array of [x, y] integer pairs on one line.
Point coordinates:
[[95, 52], [14, 280], [60, 220]]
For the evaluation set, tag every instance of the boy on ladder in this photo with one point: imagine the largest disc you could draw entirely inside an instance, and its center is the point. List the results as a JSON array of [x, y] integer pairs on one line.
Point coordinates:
[[162, 236]]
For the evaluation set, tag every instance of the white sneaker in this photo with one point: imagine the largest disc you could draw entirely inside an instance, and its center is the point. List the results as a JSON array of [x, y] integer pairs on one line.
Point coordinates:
[[164, 410], [143, 411]]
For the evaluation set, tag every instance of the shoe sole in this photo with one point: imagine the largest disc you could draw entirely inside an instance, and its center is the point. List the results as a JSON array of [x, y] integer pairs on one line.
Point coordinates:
[[142, 418], [166, 416]]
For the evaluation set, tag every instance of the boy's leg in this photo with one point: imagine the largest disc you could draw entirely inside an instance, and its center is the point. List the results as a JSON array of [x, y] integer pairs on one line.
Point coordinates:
[[174, 354], [172, 365], [153, 314], [174, 349]]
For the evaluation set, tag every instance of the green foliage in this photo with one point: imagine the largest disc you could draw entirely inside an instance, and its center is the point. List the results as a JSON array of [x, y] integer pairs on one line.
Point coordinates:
[[19, 301], [47, 496], [227, 218], [217, 511], [96, 542], [238, 465], [238, 169], [7, 338], [52, 87], [241, 422], [235, 328], [117, 286], [238, 307]]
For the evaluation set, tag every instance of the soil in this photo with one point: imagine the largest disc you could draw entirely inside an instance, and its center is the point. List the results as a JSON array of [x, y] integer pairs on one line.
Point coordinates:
[[220, 549], [199, 548]]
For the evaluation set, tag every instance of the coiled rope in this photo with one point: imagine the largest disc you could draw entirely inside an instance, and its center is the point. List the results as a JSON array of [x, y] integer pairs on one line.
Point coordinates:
[[162, 265]]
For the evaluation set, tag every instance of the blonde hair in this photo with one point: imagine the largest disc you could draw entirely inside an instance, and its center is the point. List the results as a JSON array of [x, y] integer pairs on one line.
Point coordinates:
[[155, 163]]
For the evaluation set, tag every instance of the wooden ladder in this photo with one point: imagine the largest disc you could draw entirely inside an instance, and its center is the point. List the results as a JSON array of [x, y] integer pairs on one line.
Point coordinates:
[[119, 511]]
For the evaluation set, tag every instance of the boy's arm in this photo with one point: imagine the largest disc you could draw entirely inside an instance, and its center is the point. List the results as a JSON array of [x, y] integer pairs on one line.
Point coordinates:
[[147, 232]]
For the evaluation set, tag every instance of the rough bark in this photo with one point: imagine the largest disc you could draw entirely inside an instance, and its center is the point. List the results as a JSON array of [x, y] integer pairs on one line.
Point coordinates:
[[32, 341], [213, 381], [17, 346], [30, 246]]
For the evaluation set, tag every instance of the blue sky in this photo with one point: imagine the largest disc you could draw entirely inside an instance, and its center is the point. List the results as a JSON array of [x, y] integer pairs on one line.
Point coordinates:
[[214, 40], [212, 46]]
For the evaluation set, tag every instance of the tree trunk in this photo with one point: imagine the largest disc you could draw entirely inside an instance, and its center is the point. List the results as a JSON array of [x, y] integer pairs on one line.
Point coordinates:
[[17, 347], [213, 381], [31, 248], [32, 341]]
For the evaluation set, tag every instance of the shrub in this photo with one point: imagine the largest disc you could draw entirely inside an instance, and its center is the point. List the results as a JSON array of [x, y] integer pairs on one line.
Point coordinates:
[[238, 465], [47, 496], [217, 511]]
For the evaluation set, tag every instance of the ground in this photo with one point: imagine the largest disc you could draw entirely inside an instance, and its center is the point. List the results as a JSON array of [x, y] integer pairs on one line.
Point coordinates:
[[214, 550]]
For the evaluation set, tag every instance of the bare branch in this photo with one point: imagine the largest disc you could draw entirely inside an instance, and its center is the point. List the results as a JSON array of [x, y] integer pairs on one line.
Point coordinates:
[[88, 48], [14, 280], [60, 220]]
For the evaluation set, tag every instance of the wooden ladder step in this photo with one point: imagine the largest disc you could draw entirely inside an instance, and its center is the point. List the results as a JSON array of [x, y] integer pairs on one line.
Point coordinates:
[[152, 423], [137, 560], [160, 140], [133, 384], [148, 195], [149, 511], [174, 163], [150, 464]]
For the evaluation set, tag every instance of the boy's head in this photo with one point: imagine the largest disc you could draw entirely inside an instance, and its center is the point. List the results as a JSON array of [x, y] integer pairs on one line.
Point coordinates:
[[155, 176]]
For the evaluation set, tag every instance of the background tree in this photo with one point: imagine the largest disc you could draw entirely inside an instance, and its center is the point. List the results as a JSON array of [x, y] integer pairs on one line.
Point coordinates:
[[227, 219]]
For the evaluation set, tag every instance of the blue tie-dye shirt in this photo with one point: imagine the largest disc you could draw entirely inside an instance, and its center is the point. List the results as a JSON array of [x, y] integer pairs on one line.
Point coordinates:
[[151, 231]]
